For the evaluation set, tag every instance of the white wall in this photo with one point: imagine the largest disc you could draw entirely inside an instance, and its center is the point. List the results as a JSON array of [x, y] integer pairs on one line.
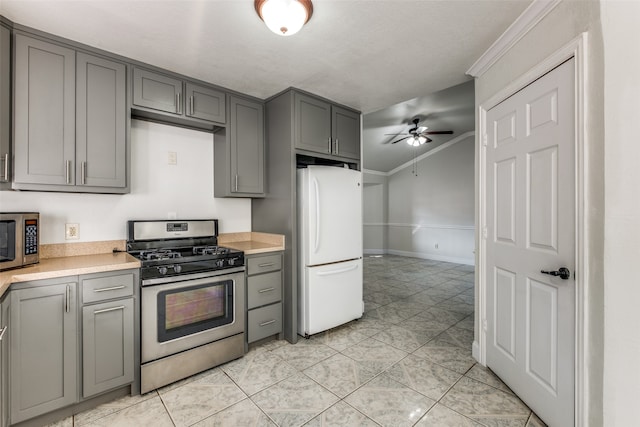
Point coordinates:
[[621, 33], [157, 190], [434, 208], [374, 210]]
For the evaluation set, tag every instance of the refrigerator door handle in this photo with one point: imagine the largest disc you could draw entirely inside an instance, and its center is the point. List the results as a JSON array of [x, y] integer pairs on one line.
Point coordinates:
[[317, 191], [342, 270]]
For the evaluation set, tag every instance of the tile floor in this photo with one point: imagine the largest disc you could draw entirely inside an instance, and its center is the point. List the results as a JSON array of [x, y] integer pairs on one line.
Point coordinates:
[[406, 362]]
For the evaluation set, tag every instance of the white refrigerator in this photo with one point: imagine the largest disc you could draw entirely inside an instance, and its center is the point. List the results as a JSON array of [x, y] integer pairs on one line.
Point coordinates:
[[329, 248]]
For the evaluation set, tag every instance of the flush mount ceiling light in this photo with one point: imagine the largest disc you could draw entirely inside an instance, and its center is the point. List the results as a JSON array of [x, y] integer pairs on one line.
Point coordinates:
[[284, 17]]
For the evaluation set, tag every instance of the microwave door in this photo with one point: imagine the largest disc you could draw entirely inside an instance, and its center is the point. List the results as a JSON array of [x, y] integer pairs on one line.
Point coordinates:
[[8, 242]]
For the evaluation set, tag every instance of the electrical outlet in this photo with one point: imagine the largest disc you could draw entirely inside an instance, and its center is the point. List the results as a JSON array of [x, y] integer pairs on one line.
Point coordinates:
[[436, 246], [71, 232], [172, 158]]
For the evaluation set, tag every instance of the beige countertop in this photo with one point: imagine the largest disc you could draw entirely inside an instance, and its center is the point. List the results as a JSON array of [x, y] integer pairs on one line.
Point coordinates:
[[252, 242], [68, 266], [62, 260]]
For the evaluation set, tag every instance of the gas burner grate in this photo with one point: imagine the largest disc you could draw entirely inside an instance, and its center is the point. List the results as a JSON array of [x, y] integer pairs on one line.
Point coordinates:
[[159, 254], [210, 250]]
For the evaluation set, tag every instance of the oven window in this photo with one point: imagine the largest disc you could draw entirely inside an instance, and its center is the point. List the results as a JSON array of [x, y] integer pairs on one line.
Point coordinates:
[[193, 309], [7, 240]]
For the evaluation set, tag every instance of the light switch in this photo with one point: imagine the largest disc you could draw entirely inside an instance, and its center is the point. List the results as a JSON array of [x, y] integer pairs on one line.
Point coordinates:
[[172, 158]]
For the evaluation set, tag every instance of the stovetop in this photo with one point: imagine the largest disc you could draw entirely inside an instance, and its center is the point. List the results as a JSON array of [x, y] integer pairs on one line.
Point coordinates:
[[175, 248]]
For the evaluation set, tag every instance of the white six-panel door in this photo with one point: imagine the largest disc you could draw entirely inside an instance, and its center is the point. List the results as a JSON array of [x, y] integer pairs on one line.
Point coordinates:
[[530, 214]]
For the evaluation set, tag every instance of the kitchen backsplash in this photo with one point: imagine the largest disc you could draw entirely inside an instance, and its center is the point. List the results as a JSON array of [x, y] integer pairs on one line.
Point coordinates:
[[159, 190]]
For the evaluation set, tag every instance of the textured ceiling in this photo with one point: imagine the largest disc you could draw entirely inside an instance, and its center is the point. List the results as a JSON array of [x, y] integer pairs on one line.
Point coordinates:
[[366, 54]]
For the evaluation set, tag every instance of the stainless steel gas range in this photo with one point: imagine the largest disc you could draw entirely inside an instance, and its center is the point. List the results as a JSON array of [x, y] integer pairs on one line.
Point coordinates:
[[192, 299]]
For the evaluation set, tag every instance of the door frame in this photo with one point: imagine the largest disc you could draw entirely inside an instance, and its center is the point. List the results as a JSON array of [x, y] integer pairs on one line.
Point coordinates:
[[577, 48]]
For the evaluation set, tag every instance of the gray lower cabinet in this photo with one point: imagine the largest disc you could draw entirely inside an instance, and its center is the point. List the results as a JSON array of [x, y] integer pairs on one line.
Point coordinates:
[[71, 339], [5, 107], [70, 117], [43, 348], [323, 127], [107, 331], [170, 96], [239, 151], [4, 361], [264, 296]]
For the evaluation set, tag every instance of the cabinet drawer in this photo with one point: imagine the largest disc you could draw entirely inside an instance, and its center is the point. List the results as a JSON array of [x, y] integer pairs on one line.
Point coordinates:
[[108, 287], [264, 289], [264, 264], [264, 322]]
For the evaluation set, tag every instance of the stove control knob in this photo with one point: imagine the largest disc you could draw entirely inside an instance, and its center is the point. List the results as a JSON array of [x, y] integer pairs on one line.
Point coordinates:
[[162, 270], [220, 263], [232, 261], [177, 268]]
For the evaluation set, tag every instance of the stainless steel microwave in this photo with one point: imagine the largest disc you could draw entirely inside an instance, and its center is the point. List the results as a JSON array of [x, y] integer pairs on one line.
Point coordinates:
[[19, 239]]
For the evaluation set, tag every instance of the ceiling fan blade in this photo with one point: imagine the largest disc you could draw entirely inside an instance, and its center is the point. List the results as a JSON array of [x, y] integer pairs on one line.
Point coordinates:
[[395, 134], [428, 139], [438, 132], [401, 139], [421, 129]]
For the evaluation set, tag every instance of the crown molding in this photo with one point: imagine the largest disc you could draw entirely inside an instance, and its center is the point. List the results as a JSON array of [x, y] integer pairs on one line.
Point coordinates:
[[537, 10]]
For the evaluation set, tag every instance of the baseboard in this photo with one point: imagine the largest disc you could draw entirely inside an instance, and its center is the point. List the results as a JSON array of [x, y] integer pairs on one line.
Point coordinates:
[[374, 251], [475, 351], [434, 257]]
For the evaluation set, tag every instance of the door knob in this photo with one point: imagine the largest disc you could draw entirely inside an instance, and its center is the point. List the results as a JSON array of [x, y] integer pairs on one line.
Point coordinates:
[[563, 272]]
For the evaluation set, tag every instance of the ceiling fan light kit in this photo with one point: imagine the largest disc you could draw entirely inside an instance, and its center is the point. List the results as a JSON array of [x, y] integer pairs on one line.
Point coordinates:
[[284, 17]]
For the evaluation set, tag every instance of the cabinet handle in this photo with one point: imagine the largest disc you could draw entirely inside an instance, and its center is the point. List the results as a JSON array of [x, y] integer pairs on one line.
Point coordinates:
[[268, 264], [329, 149], [106, 310], [68, 172], [178, 110], [3, 332], [267, 322], [83, 172], [113, 288], [191, 105], [67, 302], [5, 170], [236, 183], [336, 145], [261, 291]]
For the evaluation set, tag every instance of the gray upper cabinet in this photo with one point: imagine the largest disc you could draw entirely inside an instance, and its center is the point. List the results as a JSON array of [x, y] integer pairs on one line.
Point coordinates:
[[44, 112], [174, 100], [5, 107], [43, 348], [70, 116], [322, 127], [312, 124], [239, 151], [101, 121], [205, 103], [345, 129], [157, 91]]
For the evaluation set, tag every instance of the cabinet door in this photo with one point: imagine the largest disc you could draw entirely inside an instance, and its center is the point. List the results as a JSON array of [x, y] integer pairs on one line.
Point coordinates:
[[345, 130], [44, 112], [206, 104], [43, 349], [107, 346], [157, 91], [246, 140], [312, 124], [101, 122], [5, 105]]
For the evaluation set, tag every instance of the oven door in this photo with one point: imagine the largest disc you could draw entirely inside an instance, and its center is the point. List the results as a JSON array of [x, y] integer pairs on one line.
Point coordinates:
[[181, 315]]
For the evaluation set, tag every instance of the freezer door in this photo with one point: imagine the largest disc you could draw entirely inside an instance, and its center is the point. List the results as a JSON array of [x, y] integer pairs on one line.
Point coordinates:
[[333, 210], [333, 296]]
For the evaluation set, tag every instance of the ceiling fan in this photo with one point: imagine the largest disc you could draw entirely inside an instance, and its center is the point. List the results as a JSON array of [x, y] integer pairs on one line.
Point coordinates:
[[417, 135]]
